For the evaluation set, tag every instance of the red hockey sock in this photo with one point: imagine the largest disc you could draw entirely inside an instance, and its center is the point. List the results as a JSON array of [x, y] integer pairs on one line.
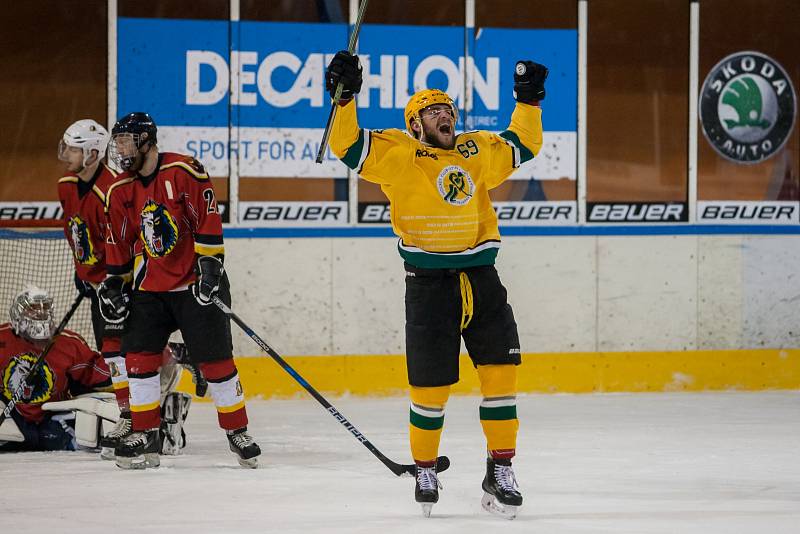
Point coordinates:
[[226, 390]]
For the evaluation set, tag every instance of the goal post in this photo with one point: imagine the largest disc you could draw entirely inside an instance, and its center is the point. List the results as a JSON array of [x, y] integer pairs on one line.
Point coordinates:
[[32, 253]]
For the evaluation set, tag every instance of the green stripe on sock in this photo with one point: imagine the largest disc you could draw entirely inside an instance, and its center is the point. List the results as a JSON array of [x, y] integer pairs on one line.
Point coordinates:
[[426, 423], [501, 413], [353, 154], [524, 153]]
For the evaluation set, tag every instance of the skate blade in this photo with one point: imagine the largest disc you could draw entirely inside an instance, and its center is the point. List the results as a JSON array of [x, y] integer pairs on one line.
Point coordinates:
[[149, 460], [251, 463], [492, 505], [426, 508], [107, 453]]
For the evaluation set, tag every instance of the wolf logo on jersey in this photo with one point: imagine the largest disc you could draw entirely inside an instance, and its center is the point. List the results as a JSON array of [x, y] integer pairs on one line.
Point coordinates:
[[81, 241], [40, 387], [159, 229], [455, 185]]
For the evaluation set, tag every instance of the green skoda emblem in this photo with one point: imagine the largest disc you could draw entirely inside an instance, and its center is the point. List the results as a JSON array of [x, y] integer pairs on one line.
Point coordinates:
[[747, 107]]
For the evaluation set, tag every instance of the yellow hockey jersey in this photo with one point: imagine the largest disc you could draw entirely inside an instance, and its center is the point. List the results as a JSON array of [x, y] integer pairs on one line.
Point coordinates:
[[439, 199]]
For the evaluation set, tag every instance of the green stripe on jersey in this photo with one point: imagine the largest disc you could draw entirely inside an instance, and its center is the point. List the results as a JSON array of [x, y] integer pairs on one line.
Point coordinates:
[[501, 413], [524, 153], [425, 423], [353, 155], [426, 260]]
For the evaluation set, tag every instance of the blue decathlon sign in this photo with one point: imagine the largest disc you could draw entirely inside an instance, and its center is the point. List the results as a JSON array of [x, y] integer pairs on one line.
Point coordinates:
[[180, 71]]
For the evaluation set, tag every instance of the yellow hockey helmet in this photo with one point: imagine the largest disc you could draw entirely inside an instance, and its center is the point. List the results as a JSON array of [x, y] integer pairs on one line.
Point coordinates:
[[421, 100]]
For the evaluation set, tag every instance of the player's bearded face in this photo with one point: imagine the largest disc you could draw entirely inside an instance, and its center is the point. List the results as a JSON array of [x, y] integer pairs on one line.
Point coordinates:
[[438, 126], [127, 154]]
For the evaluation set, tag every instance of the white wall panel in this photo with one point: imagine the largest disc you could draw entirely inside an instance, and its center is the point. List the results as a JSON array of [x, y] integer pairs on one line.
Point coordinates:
[[551, 283], [719, 292], [282, 290], [368, 297], [771, 290], [647, 291], [570, 294]]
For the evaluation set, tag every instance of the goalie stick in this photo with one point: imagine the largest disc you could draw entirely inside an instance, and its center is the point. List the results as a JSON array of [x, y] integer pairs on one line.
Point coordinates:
[[15, 398], [442, 462], [323, 145]]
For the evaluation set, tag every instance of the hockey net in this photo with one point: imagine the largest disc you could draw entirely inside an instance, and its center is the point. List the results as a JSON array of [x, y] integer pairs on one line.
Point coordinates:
[[41, 256]]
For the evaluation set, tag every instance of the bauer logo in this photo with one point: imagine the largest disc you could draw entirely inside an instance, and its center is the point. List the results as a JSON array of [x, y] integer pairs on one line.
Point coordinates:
[[748, 212], [374, 213], [552, 213], [30, 211], [293, 213], [637, 212], [747, 107]]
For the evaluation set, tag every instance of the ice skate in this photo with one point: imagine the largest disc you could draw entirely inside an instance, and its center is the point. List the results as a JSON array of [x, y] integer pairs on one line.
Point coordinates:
[[122, 429], [139, 450], [500, 490], [245, 448], [426, 490]]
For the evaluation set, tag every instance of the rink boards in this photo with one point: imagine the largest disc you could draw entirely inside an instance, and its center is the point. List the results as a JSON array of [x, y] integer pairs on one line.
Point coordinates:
[[385, 375]]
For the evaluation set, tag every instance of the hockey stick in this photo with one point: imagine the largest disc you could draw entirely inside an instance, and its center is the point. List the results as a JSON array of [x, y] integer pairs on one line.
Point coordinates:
[[323, 145], [15, 398], [442, 462]]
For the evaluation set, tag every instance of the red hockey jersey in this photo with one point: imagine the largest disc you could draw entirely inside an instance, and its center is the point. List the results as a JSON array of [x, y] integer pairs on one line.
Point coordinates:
[[70, 367], [158, 223], [85, 221]]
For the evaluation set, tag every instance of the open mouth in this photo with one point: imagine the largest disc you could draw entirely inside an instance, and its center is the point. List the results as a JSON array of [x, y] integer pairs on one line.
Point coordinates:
[[445, 129]]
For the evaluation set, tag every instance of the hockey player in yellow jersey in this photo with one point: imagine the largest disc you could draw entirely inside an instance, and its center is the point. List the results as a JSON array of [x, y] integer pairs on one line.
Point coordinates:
[[438, 183]]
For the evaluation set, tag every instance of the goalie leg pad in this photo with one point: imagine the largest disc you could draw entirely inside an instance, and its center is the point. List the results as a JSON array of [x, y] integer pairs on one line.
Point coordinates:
[[174, 411]]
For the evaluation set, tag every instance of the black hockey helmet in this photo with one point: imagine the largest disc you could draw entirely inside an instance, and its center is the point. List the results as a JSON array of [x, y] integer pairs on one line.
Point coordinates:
[[137, 122], [137, 129]]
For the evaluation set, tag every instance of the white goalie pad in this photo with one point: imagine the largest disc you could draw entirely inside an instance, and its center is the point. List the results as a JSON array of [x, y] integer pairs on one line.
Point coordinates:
[[9, 431], [95, 414], [102, 405]]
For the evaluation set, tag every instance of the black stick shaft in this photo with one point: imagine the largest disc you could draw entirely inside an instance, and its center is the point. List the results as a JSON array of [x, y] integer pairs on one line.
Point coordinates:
[[15, 398], [398, 469], [323, 144]]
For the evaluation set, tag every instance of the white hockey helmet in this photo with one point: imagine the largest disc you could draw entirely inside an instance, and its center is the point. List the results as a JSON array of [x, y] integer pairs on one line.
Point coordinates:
[[87, 135], [31, 314]]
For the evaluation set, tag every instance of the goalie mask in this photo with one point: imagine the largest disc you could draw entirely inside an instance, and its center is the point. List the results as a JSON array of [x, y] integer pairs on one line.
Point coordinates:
[[31, 315], [130, 134], [86, 135], [421, 100]]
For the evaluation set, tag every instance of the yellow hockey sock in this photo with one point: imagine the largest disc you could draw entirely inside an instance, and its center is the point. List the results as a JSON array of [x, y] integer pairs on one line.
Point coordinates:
[[426, 419], [499, 409]]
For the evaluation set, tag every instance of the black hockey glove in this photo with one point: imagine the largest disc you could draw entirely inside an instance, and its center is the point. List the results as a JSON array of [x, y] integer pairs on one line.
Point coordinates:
[[115, 297], [344, 68], [209, 271], [84, 288], [529, 80]]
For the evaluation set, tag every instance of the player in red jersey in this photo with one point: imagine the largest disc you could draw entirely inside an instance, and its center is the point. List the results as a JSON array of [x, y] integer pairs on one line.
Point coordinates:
[[165, 263], [70, 368], [82, 193]]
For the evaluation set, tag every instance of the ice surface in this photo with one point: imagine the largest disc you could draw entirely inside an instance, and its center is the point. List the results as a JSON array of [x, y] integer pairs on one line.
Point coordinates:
[[639, 463]]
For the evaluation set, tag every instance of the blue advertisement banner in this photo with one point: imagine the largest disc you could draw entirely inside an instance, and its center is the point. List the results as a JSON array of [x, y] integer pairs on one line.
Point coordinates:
[[179, 70]]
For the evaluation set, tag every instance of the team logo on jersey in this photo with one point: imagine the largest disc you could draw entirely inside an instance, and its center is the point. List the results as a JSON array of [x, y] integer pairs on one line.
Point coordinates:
[[159, 229], [39, 387], [81, 241], [747, 107], [455, 185]]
